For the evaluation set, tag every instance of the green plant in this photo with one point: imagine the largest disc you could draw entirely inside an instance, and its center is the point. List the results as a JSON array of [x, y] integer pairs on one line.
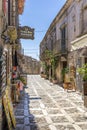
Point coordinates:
[[64, 71], [49, 55], [52, 62], [83, 72], [23, 80]]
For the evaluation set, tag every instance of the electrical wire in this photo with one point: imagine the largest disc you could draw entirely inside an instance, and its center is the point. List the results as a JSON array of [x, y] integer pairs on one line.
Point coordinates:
[[41, 31]]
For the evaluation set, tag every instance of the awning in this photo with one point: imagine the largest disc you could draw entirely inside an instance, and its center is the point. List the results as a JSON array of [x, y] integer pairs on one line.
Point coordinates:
[[79, 43], [83, 52]]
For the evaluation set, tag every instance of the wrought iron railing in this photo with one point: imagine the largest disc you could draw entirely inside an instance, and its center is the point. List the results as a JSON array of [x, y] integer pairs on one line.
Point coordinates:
[[60, 46]]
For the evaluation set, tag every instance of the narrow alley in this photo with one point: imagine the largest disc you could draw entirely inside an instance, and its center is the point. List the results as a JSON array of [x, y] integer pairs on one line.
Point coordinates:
[[52, 108], [43, 65]]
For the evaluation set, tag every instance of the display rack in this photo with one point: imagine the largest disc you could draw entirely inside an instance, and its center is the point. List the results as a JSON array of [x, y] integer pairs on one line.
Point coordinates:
[[7, 117]]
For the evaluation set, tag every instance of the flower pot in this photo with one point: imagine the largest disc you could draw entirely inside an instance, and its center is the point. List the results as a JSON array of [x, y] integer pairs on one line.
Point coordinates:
[[85, 88], [54, 81], [85, 93]]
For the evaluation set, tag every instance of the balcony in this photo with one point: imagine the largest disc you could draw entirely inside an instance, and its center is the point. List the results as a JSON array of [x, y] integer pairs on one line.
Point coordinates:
[[60, 47]]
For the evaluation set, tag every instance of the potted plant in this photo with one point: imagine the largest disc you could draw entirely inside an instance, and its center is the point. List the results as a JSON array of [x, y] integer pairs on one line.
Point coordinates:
[[65, 72], [83, 72], [54, 80]]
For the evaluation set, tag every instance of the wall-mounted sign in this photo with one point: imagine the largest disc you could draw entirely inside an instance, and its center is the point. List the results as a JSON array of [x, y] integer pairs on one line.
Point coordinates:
[[26, 32], [12, 33]]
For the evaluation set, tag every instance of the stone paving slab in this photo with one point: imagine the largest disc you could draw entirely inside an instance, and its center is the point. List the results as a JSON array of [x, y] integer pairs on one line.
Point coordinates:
[[22, 113], [79, 118], [20, 119], [36, 112], [26, 121], [65, 127], [72, 110], [19, 112], [59, 119], [20, 127], [26, 112], [20, 106], [55, 109], [83, 126], [45, 106]]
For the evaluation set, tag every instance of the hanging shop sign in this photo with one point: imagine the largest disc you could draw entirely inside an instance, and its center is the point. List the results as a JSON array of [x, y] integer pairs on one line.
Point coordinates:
[[12, 33], [26, 32], [20, 6]]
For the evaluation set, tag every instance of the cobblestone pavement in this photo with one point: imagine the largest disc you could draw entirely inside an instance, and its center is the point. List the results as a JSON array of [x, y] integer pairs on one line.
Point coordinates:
[[52, 108], [21, 112]]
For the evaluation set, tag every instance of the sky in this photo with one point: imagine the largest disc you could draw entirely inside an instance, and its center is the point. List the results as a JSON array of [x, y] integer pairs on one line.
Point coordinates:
[[38, 14]]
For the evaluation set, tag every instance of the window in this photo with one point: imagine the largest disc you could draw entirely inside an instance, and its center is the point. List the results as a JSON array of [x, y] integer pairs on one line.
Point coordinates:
[[63, 39]]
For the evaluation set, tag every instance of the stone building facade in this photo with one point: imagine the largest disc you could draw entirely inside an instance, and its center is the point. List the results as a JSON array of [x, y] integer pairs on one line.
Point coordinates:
[[9, 19], [28, 65], [68, 27]]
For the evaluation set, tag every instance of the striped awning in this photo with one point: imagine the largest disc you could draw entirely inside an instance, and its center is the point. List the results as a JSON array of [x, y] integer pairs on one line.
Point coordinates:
[[79, 43]]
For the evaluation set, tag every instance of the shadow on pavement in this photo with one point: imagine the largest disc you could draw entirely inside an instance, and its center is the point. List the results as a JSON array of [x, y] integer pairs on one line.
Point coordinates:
[[32, 120], [24, 119]]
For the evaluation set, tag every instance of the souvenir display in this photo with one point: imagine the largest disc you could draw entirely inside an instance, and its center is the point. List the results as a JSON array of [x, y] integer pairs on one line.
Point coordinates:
[[3, 73], [10, 107], [20, 6], [12, 33], [17, 93], [13, 93], [5, 103], [21, 86], [0, 114]]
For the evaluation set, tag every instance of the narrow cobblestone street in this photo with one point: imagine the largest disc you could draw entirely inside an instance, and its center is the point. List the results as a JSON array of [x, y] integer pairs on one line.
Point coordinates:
[[52, 108]]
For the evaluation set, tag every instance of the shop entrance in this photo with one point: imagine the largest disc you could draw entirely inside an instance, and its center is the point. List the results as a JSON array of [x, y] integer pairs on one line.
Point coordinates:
[[86, 60]]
